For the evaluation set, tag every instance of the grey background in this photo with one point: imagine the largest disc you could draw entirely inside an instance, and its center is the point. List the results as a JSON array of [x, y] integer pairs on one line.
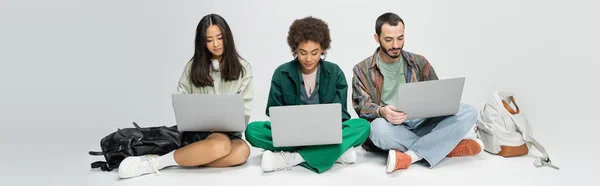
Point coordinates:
[[72, 71]]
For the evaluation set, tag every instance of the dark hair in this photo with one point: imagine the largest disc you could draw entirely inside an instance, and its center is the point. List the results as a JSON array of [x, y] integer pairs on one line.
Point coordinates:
[[389, 18], [231, 69], [308, 29]]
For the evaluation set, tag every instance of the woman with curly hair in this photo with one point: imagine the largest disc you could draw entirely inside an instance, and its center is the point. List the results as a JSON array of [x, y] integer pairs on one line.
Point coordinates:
[[308, 79]]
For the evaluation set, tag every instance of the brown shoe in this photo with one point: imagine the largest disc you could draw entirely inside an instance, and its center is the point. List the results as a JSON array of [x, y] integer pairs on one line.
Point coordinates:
[[397, 160], [467, 147]]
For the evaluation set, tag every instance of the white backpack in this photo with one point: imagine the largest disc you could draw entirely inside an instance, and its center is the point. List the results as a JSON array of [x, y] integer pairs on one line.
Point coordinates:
[[505, 131]]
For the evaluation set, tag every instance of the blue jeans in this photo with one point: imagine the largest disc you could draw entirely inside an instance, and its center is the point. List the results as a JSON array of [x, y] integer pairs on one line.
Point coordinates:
[[430, 138]]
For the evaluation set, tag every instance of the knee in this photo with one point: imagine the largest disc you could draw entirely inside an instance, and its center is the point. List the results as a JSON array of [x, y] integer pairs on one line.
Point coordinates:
[[469, 112], [379, 126], [240, 153], [250, 129], [468, 116], [363, 123], [357, 123], [219, 146], [379, 132]]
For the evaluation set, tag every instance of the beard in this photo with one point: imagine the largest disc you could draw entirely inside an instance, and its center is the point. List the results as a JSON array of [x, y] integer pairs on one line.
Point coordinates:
[[388, 51]]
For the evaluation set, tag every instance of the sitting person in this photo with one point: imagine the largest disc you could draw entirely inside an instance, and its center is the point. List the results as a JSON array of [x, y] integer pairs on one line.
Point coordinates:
[[375, 85], [308, 79], [215, 68]]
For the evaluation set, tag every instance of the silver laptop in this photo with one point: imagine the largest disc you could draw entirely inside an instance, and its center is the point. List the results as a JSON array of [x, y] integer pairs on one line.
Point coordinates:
[[304, 125], [430, 98], [209, 112]]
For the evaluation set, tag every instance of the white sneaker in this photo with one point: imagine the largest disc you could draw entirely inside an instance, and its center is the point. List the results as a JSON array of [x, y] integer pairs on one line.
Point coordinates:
[[348, 157], [138, 165], [274, 161]]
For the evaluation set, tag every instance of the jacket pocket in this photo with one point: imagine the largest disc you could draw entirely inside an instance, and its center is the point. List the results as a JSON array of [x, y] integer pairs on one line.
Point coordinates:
[[329, 98]]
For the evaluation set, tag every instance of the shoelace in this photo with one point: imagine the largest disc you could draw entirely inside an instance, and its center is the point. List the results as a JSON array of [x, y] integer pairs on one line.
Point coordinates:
[[544, 162], [152, 164], [285, 158], [344, 158]]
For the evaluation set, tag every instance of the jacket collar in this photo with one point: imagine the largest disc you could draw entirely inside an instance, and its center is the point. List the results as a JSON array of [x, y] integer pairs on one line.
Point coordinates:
[[292, 71]]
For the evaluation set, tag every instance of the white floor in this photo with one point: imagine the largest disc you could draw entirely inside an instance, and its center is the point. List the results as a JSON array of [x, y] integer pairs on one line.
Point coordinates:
[[58, 156], [483, 169], [43, 157]]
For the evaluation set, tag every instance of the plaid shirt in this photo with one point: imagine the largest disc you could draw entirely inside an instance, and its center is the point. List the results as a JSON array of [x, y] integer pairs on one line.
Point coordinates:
[[367, 81]]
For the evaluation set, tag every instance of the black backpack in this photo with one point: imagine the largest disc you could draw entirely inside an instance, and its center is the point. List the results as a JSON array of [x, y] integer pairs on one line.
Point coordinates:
[[136, 142]]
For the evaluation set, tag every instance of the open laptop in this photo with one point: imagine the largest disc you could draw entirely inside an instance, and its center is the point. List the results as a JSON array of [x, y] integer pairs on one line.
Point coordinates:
[[303, 125], [427, 99], [209, 112]]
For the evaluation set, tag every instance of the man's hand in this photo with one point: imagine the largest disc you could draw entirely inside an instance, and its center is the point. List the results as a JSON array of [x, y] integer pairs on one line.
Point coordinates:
[[390, 114]]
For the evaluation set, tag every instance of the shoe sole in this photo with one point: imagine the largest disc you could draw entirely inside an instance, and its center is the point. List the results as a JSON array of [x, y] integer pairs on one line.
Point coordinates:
[[467, 148], [391, 161], [262, 164]]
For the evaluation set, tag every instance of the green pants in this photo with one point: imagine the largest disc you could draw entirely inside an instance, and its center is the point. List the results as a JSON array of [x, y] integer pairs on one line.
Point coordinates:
[[319, 158]]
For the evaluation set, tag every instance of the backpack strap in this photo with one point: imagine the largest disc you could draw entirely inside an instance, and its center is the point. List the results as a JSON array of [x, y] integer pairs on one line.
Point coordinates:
[[539, 162], [542, 161], [136, 126], [102, 165], [521, 124], [96, 153], [509, 109]]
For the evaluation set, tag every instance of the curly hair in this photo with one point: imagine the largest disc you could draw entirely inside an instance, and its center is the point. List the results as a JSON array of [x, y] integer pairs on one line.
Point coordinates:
[[308, 29]]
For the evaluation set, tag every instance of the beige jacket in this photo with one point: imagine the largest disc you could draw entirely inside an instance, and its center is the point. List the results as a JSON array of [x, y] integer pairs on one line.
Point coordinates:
[[241, 86]]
